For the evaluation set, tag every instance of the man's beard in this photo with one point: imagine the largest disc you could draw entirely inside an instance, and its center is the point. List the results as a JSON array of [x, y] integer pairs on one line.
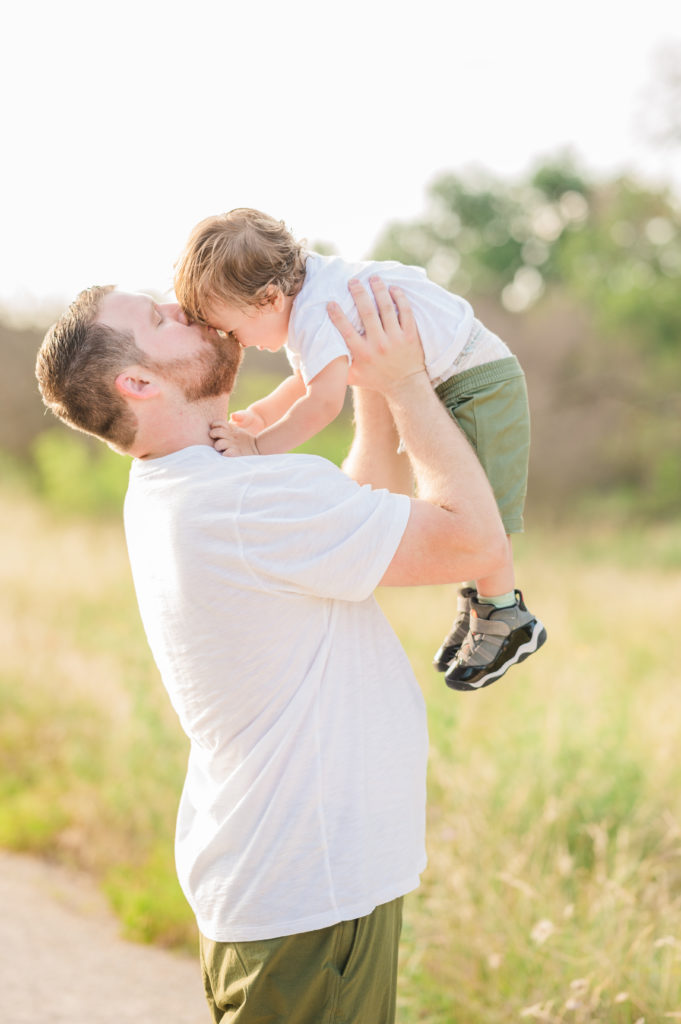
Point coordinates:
[[209, 374]]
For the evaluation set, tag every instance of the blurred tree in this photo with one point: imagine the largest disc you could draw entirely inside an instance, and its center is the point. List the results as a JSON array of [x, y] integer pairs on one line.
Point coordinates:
[[581, 277], [608, 251], [485, 236], [614, 245], [22, 413]]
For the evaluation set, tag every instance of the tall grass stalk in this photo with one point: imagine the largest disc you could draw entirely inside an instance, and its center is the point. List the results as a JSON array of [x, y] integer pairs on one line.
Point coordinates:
[[553, 890]]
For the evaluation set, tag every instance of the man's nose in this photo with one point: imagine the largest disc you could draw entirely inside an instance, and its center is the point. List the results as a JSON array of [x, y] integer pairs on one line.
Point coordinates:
[[175, 311]]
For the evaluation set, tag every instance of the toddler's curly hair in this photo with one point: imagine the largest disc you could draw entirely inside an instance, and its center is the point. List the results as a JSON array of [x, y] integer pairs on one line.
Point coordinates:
[[241, 257]]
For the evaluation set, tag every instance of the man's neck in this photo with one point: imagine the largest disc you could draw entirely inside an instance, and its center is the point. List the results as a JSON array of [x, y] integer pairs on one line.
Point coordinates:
[[188, 426]]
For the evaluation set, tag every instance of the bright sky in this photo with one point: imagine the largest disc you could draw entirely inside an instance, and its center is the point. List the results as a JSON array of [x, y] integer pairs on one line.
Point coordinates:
[[124, 124]]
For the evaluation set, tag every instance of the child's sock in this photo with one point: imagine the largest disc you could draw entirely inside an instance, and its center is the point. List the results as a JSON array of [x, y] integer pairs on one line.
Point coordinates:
[[500, 600]]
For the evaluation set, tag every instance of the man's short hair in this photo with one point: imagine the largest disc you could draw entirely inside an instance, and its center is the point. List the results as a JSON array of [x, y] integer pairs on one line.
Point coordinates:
[[77, 366], [241, 258]]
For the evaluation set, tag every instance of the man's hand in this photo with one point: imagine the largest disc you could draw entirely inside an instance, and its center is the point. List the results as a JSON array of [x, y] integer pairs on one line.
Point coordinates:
[[390, 350], [232, 440]]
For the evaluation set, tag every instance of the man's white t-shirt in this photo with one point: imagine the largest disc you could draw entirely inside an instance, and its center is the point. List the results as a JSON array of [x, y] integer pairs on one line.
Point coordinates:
[[304, 800], [444, 320]]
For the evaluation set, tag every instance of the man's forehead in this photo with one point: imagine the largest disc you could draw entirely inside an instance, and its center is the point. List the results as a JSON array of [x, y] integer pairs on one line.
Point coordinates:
[[128, 305], [131, 299]]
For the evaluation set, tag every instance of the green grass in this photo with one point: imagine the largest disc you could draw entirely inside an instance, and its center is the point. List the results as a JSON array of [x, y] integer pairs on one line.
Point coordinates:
[[554, 879], [553, 890]]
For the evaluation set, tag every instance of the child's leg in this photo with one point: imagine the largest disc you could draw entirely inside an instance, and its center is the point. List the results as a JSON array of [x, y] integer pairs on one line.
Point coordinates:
[[502, 632], [498, 639], [499, 584], [497, 589], [451, 645], [490, 404]]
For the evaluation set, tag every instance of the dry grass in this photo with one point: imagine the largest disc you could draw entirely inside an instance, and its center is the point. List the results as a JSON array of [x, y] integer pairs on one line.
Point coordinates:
[[553, 890], [82, 705]]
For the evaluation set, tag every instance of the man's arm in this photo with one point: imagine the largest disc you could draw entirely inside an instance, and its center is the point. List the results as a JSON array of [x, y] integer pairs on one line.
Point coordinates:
[[374, 457], [454, 530]]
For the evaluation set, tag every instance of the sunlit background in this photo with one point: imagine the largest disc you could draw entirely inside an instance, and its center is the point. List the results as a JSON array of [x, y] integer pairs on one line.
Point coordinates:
[[528, 155], [124, 124]]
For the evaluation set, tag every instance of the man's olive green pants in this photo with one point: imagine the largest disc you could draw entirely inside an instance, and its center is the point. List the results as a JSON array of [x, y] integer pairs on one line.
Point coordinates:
[[345, 974]]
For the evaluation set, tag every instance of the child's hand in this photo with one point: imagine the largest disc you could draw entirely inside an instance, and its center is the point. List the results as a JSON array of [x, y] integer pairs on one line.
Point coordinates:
[[232, 440], [248, 420]]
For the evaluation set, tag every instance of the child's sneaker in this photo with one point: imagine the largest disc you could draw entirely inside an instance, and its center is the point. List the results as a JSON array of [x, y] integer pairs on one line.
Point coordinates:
[[451, 645], [498, 639]]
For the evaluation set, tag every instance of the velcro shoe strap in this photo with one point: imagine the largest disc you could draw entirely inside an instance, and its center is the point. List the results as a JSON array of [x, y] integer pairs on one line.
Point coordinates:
[[492, 627]]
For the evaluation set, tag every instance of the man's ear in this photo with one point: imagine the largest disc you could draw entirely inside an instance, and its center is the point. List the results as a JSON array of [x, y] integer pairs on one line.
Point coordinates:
[[136, 383]]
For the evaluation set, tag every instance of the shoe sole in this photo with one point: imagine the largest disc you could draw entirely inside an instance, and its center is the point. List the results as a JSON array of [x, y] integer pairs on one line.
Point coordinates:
[[442, 665], [524, 651]]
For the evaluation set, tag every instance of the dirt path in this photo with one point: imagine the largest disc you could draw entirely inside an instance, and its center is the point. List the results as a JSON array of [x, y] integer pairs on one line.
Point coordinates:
[[62, 960]]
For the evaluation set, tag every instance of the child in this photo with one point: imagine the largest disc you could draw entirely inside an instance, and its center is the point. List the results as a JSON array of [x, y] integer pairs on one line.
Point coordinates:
[[244, 273]]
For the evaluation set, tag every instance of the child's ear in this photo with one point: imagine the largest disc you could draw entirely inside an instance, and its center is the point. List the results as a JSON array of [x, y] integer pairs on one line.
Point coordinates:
[[276, 299], [136, 383]]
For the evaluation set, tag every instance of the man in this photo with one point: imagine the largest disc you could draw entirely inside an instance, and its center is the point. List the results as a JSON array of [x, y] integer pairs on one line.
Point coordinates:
[[301, 822]]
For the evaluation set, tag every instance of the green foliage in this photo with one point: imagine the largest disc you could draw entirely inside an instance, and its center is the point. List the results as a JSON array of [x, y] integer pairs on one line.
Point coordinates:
[[75, 475], [332, 443], [41, 746], [149, 902], [488, 237], [80, 476], [598, 264], [13, 471], [558, 178], [625, 262], [615, 246]]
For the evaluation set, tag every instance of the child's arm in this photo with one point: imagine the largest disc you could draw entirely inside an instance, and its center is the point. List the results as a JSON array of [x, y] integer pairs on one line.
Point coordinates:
[[317, 405], [272, 407], [321, 403]]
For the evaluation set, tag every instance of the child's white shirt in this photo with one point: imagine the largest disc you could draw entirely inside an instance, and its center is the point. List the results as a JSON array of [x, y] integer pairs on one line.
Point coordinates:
[[445, 321]]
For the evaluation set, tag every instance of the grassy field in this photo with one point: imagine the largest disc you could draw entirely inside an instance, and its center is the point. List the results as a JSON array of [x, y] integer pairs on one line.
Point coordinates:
[[553, 891]]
